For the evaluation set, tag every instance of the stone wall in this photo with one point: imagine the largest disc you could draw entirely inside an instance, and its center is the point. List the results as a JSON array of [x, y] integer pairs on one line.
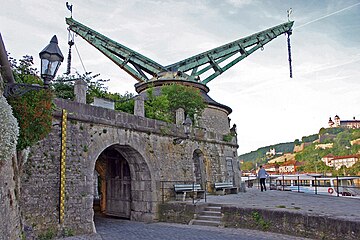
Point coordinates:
[[10, 224], [10, 227], [303, 225], [290, 223], [146, 144], [215, 119]]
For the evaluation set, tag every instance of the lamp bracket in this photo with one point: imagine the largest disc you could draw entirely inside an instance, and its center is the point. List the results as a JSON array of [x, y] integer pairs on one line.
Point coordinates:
[[19, 89]]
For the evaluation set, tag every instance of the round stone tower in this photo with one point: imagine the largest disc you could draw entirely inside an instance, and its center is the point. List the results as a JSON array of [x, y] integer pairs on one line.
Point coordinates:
[[215, 115]]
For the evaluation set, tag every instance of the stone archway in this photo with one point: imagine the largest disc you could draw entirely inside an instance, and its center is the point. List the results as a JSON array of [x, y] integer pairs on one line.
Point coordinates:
[[126, 189], [114, 182]]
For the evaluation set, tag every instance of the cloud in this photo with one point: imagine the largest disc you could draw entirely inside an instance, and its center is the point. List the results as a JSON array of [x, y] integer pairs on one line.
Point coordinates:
[[239, 3]]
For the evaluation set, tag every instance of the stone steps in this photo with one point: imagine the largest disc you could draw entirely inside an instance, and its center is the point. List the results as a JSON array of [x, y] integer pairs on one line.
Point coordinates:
[[211, 216]]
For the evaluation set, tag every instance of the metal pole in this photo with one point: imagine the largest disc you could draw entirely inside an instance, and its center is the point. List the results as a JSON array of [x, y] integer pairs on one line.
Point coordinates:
[[205, 190], [315, 185], [283, 187], [298, 183], [337, 185], [193, 195]]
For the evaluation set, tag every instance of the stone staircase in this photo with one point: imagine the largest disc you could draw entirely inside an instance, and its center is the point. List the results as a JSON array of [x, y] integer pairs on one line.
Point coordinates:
[[211, 216]]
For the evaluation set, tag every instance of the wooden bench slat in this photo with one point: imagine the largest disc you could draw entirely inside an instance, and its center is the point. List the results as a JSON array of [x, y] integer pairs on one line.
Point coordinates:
[[185, 189], [226, 187]]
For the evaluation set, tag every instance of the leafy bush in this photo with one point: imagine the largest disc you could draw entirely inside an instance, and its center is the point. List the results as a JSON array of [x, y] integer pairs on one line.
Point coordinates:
[[63, 87], [33, 110], [173, 97]]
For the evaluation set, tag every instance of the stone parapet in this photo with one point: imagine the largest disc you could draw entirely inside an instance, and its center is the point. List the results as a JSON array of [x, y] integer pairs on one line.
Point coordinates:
[[146, 145]]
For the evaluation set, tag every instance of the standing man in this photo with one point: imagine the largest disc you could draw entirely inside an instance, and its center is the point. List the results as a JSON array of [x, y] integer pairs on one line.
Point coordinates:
[[262, 175]]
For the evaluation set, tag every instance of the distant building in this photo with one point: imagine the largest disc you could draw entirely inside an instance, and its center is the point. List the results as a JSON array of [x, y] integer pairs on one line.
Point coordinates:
[[324, 146], [345, 123], [272, 152], [271, 168], [338, 161], [327, 160], [347, 161], [289, 167]]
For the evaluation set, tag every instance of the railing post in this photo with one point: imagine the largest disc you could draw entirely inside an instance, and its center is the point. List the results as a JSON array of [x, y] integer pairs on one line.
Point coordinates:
[[298, 183], [205, 190], [193, 195], [283, 186], [162, 191], [337, 185], [315, 185]]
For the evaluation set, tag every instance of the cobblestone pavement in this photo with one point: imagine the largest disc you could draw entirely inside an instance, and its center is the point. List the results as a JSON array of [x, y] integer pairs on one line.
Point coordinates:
[[112, 228], [320, 205]]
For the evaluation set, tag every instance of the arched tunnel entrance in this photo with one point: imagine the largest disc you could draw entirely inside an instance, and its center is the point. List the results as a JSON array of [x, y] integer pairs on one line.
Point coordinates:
[[122, 183]]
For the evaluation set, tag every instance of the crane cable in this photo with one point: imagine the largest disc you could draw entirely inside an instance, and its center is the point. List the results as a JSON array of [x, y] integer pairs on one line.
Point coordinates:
[[71, 43], [289, 50], [315, 20]]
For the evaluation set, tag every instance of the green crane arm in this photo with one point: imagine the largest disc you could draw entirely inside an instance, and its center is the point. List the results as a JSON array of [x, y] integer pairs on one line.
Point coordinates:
[[136, 64], [118, 53], [212, 59]]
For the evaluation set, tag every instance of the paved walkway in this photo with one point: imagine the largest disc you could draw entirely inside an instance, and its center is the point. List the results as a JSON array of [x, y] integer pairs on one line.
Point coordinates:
[[319, 205], [113, 229]]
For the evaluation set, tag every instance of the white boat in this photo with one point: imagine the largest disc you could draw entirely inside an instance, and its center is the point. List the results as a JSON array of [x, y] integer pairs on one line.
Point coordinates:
[[332, 186]]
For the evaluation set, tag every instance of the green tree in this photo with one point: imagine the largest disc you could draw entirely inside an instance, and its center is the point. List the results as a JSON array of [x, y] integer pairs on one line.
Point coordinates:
[[157, 107], [63, 87], [185, 97], [247, 166], [33, 110], [173, 97]]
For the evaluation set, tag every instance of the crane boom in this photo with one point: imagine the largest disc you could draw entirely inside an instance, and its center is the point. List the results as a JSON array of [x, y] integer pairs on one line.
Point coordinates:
[[213, 58], [118, 53], [137, 65]]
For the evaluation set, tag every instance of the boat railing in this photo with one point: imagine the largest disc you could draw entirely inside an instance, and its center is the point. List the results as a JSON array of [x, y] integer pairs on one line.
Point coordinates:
[[335, 185]]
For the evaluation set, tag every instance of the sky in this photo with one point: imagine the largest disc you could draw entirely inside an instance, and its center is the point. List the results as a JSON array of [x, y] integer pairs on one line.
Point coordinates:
[[268, 106]]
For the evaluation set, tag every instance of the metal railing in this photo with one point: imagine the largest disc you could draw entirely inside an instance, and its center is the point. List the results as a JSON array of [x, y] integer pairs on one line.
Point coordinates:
[[334, 186], [167, 189]]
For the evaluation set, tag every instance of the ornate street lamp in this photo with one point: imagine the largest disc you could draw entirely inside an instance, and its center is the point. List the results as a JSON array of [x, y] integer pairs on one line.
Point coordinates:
[[51, 58], [187, 130], [187, 125]]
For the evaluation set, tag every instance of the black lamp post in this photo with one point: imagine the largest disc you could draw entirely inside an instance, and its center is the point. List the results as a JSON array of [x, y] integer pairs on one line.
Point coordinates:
[[51, 58]]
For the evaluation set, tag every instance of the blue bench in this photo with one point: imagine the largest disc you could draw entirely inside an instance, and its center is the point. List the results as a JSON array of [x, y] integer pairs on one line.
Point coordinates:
[[225, 188], [191, 190]]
